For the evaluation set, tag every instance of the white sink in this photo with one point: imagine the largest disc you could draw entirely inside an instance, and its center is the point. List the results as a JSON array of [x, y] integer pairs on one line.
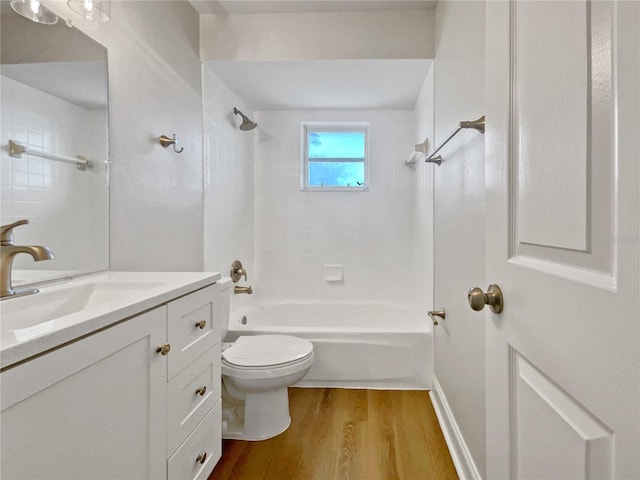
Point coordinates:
[[34, 315], [60, 313]]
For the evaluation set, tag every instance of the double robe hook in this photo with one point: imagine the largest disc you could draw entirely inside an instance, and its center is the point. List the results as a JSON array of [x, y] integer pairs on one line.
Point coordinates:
[[166, 141]]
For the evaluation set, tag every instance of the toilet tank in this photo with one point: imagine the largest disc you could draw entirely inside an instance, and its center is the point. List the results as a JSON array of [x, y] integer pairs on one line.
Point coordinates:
[[225, 305]]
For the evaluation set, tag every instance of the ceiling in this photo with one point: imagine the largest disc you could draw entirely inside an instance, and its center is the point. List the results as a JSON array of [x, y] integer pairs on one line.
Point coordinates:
[[320, 84], [325, 84], [221, 7]]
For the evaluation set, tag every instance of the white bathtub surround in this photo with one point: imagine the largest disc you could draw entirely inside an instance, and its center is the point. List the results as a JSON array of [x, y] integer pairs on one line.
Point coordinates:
[[358, 345], [298, 232], [421, 270], [228, 185]]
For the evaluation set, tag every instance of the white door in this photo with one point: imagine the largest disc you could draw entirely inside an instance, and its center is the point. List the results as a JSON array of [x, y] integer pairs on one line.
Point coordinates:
[[563, 239]]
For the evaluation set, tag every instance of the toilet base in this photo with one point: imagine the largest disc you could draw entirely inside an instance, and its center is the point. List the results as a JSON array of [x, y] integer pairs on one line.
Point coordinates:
[[260, 416]]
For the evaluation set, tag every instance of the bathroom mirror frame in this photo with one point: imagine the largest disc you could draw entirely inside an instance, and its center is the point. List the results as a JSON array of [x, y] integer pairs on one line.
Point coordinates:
[[54, 100]]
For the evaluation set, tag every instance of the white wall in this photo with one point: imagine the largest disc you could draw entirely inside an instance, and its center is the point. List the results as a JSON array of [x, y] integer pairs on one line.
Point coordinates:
[[334, 35], [369, 233], [459, 218], [228, 180], [154, 89]]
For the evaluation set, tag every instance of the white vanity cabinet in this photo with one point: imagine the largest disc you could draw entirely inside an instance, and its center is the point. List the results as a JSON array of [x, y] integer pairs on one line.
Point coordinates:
[[111, 405]]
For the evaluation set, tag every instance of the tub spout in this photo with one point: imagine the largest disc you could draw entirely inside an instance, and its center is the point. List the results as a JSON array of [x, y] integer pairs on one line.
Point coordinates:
[[237, 289]]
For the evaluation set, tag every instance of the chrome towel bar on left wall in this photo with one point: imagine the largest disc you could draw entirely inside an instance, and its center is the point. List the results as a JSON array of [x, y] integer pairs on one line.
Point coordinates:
[[475, 124], [16, 150]]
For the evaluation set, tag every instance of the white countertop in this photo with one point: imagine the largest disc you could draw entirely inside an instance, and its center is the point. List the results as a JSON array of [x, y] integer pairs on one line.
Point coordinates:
[[22, 339]]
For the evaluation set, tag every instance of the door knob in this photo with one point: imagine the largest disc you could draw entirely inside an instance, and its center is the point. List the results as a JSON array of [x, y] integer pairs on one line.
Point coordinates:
[[437, 313], [478, 299]]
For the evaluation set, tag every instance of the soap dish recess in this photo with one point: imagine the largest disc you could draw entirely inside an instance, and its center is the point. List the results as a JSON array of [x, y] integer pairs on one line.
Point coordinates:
[[333, 273]]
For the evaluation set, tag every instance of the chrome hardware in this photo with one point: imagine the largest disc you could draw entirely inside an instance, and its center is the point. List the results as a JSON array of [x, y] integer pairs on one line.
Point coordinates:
[[8, 251], [201, 324], [202, 458], [238, 289], [238, 271], [437, 313], [478, 125], [478, 299], [475, 124], [201, 391], [163, 349], [166, 142]]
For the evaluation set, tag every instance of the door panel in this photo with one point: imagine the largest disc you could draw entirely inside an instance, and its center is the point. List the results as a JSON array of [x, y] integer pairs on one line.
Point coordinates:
[[562, 176], [562, 116], [551, 111], [581, 446]]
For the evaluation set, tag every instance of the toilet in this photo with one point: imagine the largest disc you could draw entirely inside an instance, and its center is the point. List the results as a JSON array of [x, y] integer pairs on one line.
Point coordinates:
[[256, 372]]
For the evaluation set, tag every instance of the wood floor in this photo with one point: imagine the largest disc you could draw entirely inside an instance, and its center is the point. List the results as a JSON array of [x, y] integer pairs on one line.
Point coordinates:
[[346, 434]]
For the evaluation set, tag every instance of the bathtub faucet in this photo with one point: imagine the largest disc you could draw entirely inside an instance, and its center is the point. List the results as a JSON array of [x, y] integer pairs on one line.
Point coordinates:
[[239, 289]]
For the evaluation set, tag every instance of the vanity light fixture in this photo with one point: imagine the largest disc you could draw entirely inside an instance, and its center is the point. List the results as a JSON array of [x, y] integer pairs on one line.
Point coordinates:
[[34, 11], [95, 10]]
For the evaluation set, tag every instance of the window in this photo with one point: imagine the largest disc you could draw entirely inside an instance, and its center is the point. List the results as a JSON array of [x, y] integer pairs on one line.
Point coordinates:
[[335, 157]]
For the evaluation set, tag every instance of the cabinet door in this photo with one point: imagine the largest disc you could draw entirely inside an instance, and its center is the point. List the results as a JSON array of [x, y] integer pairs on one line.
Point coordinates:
[[93, 409]]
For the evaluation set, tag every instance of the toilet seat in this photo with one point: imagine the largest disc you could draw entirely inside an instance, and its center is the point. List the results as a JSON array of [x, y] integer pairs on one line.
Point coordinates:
[[266, 351]]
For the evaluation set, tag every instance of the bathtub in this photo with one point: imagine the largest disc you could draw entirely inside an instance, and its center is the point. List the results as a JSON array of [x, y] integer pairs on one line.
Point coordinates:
[[366, 345]]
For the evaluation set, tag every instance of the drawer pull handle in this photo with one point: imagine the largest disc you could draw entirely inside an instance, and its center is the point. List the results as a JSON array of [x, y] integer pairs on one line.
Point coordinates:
[[202, 458], [163, 349], [201, 391], [201, 324]]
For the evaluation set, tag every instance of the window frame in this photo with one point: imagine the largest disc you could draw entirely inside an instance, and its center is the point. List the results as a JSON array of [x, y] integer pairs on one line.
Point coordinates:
[[307, 127]]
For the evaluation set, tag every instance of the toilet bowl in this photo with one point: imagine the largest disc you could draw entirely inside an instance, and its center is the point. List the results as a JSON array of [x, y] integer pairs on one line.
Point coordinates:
[[256, 372]]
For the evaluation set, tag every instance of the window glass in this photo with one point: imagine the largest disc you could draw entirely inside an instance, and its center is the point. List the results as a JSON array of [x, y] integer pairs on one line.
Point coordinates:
[[335, 158]]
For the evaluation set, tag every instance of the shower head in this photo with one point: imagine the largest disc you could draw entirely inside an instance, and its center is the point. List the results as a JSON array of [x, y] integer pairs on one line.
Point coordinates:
[[246, 123]]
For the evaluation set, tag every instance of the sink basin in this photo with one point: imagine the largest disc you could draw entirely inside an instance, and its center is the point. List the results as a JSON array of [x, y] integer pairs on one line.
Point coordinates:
[[32, 324], [34, 315]]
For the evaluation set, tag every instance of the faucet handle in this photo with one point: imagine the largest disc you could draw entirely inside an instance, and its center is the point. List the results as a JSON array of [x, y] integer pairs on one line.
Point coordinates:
[[237, 271], [6, 231]]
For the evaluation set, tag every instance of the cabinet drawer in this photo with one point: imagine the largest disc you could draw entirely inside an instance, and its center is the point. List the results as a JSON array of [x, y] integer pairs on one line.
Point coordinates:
[[193, 327], [206, 438], [187, 404]]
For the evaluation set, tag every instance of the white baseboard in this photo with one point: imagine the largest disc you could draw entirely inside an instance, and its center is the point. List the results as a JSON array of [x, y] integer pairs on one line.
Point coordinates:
[[460, 454]]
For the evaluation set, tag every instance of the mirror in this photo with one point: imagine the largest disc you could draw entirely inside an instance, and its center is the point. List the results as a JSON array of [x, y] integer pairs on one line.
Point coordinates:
[[54, 101]]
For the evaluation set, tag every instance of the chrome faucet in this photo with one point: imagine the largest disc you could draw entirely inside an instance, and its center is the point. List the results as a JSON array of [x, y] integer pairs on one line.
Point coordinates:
[[8, 250]]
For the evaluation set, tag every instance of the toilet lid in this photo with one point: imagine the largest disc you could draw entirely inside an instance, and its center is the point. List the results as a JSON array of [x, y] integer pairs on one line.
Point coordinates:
[[266, 350]]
